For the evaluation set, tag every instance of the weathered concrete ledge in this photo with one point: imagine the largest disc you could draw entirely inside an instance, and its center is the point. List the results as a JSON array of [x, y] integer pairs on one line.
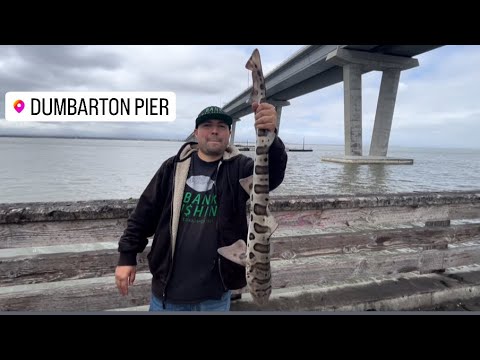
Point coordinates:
[[410, 292], [334, 240], [12, 213], [363, 160]]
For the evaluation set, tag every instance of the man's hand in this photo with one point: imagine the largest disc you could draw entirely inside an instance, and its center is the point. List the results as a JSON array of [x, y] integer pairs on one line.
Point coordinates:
[[265, 116], [125, 276]]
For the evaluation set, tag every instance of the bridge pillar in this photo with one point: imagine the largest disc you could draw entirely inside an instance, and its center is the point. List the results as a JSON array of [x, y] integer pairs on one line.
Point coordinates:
[[279, 104], [232, 136], [352, 78], [384, 114], [355, 63]]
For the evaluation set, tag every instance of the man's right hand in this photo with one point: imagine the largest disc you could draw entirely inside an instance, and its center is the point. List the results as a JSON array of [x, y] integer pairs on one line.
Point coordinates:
[[124, 276]]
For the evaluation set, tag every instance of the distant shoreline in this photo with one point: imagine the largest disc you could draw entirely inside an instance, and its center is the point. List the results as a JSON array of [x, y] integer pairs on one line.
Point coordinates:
[[85, 138], [393, 147]]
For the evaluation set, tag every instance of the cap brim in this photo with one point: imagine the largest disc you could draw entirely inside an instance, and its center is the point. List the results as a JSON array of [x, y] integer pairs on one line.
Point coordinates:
[[223, 117]]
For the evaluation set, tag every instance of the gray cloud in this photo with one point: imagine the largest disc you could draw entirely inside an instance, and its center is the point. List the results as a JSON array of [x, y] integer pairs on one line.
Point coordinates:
[[436, 105]]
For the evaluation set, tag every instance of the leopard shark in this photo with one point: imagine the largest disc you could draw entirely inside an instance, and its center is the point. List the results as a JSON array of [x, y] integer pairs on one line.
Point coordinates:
[[256, 253]]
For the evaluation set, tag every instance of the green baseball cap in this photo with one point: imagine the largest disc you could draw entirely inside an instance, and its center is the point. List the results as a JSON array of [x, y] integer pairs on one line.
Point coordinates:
[[213, 113]]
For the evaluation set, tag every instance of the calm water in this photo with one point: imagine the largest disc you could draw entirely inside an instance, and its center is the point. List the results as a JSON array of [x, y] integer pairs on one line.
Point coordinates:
[[34, 170]]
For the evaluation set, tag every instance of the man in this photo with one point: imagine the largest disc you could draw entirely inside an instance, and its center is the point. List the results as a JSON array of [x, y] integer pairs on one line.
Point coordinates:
[[193, 205]]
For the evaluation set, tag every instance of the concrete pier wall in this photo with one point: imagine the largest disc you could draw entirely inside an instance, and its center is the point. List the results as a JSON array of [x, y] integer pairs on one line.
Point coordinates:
[[357, 252]]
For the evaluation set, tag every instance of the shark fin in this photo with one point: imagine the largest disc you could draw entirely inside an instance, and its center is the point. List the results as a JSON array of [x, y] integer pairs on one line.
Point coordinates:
[[237, 252], [247, 184], [271, 222]]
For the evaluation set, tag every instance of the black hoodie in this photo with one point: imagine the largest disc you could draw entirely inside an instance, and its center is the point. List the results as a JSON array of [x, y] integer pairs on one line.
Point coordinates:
[[158, 211]]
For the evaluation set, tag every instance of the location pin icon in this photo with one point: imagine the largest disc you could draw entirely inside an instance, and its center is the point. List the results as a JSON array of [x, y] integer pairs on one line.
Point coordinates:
[[19, 105]]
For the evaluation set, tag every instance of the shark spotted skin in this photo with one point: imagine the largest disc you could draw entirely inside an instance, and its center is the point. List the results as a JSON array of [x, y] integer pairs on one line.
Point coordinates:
[[255, 256]]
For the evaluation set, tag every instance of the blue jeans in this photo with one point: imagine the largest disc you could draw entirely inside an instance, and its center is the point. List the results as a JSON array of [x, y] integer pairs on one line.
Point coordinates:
[[222, 304]]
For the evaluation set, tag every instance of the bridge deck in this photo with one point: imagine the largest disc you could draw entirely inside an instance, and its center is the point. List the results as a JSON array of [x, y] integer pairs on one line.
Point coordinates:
[[307, 71]]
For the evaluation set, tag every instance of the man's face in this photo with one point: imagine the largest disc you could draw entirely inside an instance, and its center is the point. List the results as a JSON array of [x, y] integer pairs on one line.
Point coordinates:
[[212, 137]]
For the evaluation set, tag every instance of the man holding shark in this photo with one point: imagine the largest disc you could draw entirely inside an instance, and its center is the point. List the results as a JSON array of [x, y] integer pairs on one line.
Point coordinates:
[[193, 206]]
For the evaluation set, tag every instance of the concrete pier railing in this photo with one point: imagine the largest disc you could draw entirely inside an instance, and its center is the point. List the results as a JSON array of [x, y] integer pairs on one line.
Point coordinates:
[[365, 252]]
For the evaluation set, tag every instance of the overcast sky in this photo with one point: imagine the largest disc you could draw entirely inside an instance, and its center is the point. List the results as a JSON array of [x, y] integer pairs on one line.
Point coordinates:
[[437, 104]]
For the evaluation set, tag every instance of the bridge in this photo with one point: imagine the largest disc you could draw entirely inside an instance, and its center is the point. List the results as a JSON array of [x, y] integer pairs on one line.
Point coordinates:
[[315, 67]]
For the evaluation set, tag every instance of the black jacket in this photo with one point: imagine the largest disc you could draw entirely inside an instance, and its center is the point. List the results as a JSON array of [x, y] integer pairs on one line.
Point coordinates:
[[158, 209]]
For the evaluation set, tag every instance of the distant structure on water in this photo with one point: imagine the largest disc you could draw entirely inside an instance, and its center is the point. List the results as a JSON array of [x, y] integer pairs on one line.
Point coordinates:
[[302, 149], [245, 147]]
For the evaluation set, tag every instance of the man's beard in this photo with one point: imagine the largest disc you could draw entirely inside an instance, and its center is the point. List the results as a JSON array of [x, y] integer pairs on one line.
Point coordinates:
[[214, 151]]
